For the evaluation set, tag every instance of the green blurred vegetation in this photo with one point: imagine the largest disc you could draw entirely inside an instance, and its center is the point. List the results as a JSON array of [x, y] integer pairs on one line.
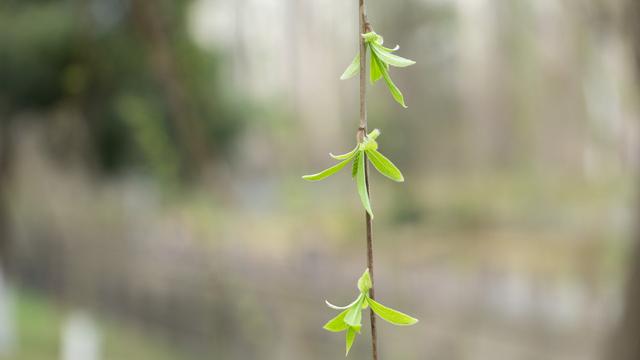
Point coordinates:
[[145, 94], [39, 322]]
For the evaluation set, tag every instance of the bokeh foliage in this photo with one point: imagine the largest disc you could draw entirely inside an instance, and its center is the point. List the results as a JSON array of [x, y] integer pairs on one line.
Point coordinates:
[[92, 58]]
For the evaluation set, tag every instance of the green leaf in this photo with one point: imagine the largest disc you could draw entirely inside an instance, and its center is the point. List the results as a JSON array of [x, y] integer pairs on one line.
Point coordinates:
[[342, 307], [354, 167], [388, 58], [384, 165], [369, 141], [337, 324], [373, 134], [364, 283], [390, 49], [375, 73], [327, 172], [395, 92], [354, 314], [372, 37], [362, 186], [352, 69], [393, 316], [350, 338], [346, 156], [370, 144]]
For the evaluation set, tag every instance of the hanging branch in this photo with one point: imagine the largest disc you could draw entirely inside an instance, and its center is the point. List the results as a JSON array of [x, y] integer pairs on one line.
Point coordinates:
[[366, 150], [362, 130]]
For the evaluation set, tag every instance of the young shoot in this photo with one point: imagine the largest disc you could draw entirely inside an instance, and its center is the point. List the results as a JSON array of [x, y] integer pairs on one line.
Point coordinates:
[[380, 59], [350, 318], [367, 149]]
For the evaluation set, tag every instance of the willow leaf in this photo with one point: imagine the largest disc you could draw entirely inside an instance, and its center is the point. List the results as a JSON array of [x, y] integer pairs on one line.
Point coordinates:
[[362, 185], [354, 314], [335, 307], [354, 166], [337, 324], [372, 37], [327, 172], [346, 156], [350, 338], [393, 316], [364, 283], [395, 92], [388, 58], [384, 165], [352, 69], [375, 73]]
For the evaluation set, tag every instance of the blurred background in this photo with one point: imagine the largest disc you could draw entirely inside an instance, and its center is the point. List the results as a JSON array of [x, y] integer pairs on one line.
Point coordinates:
[[151, 205]]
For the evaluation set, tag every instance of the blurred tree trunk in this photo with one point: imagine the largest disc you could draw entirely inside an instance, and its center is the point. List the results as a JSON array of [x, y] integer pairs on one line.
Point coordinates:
[[152, 23], [626, 342], [5, 157]]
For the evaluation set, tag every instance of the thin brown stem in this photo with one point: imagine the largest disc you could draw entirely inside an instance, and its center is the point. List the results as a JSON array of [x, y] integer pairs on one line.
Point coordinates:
[[362, 130]]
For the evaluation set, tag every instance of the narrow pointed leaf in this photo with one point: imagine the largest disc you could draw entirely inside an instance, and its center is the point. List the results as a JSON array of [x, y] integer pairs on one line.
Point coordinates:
[[354, 314], [384, 165], [373, 134], [346, 156], [327, 172], [370, 144], [352, 69], [375, 73], [396, 48], [369, 141], [393, 316], [364, 283], [362, 186], [372, 37], [350, 338], [389, 58], [395, 92], [342, 307], [354, 166], [337, 324]]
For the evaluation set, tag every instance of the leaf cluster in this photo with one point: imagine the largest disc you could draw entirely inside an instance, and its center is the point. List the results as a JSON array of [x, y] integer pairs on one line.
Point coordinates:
[[350, 319], [380, 59], [366, 150]]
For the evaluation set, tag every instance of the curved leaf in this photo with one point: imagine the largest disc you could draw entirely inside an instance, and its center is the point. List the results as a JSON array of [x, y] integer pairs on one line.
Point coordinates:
[[375, 72], [395, 48], [373, 134], [327, 172], [362, 185], [364, 283], [384, 165], [354, 314], [372, 37], [350, 338], [352, 69], [389, 58], [369, 141], [393, 316], [348, 155], [395, 92], [354, 166], [342, 307], [337, 324]]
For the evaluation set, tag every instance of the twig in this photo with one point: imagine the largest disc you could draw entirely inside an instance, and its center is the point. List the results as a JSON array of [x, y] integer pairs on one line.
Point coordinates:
[[362, 130]]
